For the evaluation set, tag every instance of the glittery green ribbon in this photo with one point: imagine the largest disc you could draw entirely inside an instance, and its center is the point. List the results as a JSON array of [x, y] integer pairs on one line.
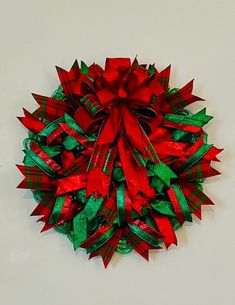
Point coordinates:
[[163, 172], [199, 119], [80, 221], [56, 212], [163, 207], [121, 203]]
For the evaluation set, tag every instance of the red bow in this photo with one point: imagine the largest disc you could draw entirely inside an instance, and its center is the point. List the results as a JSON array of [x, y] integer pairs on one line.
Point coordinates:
[[129, 91]]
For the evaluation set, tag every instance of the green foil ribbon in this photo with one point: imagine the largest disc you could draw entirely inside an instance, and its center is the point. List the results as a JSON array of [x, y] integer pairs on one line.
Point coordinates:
[[80, 221]]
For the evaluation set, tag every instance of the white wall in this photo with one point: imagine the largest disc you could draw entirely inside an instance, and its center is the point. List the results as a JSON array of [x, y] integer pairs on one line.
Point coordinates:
[[197, 38]]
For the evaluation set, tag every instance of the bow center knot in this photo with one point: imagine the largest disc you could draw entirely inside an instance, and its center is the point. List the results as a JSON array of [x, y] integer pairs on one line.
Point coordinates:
[[122, 93]]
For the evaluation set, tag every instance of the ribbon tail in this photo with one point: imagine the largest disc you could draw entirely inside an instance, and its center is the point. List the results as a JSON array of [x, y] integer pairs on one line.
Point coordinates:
[[136, 176], [107, 250], [137, 136], [100, 169], [165, 228]]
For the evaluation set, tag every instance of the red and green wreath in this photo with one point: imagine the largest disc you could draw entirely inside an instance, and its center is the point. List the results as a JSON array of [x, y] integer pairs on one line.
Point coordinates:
[[114, 159]]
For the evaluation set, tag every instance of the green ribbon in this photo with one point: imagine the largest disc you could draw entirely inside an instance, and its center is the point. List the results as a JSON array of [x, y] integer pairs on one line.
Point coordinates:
[[51, 127], [84, 68], [118, 174], [139, 157], [72, 124], [37, 160], [121, 203], [194, 158], [163, 172], [163, 207], [182, 202], [144, 235], [58, 94], [55, 215], [158, 184], [80, 220], [151, 69], [79, 234], [123, 247], [70, 144], [199, 119], [51, 151], [102, 240]]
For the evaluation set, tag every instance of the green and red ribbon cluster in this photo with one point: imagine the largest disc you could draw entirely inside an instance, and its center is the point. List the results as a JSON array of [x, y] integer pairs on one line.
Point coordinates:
[[114, 159]]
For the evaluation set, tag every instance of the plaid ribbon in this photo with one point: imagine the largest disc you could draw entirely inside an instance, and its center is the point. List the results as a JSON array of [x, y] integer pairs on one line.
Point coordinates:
[[107, 250], [78, 166], [198, 119], [45, 206], [178, 100], [163, 77], [194, 158], [195, 198], [69, 78], [31, 123], [200, 170], [109, 209], [138, 244], [75, 131], [179, 203], [182, 126], [99, 238], [50, 108], [35, 179], [61, 210], [92, 105]]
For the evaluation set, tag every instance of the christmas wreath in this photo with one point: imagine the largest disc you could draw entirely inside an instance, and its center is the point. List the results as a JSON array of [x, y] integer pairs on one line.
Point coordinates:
[[114, 159]]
